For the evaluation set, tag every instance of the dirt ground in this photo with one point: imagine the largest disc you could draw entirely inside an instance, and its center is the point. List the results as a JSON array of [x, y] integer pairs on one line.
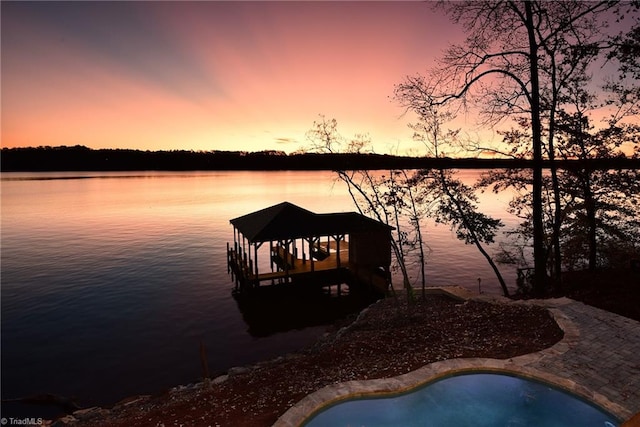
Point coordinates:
[[617, 291]]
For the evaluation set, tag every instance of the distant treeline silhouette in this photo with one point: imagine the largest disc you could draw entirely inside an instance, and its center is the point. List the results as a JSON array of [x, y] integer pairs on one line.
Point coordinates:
[[80, 158]]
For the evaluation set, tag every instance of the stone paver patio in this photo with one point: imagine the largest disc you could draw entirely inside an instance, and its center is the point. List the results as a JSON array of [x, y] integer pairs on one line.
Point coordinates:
[[598, 359]]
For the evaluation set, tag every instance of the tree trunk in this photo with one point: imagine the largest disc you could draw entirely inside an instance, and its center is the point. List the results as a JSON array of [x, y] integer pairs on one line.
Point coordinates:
[[416, 218], [557, 215], [590, 208], [539, 253]]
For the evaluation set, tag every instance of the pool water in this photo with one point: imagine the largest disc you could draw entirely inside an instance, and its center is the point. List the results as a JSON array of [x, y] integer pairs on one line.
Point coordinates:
[[478, 400]]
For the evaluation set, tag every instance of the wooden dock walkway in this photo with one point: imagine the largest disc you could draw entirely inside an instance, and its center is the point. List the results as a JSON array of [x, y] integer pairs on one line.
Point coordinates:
[[289, 267]]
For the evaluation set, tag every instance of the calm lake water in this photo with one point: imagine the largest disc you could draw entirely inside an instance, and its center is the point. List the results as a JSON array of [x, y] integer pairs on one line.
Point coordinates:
[[110, 281]]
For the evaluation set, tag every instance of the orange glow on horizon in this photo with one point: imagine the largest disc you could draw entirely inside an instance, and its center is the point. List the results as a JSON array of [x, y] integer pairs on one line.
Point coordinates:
[[244, 76], [207, 76]]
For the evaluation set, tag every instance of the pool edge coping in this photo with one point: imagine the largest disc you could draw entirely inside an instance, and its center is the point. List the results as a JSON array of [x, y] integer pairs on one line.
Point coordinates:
[[518, 365]]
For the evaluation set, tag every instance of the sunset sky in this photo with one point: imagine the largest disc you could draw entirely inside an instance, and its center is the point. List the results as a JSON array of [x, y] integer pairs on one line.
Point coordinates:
[[211, 75]]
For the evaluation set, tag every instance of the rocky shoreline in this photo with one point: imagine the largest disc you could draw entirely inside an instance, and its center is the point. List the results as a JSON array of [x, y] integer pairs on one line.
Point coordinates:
[[88, 416], [389, 338]]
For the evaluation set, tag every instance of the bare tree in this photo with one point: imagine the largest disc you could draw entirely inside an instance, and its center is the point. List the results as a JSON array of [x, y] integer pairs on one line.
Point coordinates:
[[386, 198], [512, 65]]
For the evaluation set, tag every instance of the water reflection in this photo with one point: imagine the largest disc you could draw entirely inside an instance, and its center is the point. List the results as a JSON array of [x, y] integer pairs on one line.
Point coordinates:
[[280, 308]]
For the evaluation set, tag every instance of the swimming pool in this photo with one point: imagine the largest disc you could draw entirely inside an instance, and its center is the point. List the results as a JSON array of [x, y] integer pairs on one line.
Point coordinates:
[[475, 399]]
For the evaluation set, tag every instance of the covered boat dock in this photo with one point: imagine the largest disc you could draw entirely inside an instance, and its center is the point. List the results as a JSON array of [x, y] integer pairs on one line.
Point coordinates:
[[307, 248]]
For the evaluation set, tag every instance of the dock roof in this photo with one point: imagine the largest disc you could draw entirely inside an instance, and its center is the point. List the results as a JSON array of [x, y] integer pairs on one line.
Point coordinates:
[[288, 221]]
